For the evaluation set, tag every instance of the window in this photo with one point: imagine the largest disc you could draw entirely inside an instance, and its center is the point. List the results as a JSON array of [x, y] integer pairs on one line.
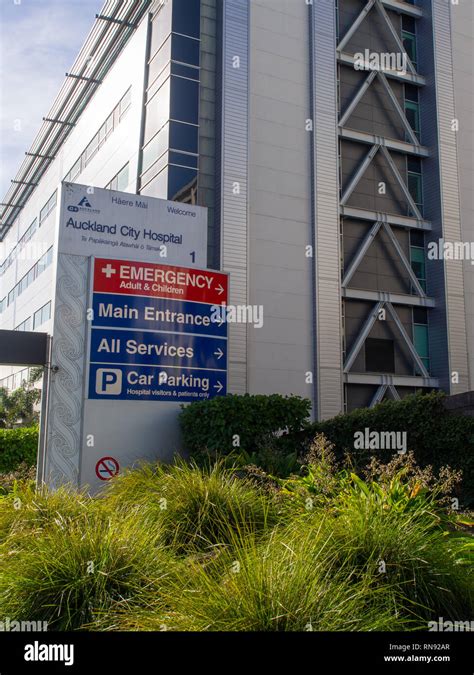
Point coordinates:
[[418, 265], [183, 137], [417, 238], [100, 137], [409, 38], [184, 100], [187, 17], [420, 336], [185, 71], [379, 355], [120, 180], [415, 188], [42, 315], [182, 184], [75, 171], [412, 108], [125, 104], [105, 130], [159, 61], [412, 112], [48, 207], [25, 325], [3, 304], [415, 182], [155, 148], [158, 110], [39, 267], [182, 159], [185, 50], [19, 247]]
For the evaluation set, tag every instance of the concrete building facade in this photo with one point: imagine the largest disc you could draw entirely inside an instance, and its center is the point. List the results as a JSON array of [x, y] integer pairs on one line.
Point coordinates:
[[327, 171]]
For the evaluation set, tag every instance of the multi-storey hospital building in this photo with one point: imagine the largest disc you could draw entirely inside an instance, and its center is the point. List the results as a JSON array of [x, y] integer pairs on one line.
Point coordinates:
[[332, 143]]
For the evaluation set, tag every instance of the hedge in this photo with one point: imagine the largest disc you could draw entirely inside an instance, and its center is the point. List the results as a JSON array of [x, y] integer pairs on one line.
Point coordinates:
[[250, 422], [436, 436], [17, 446]]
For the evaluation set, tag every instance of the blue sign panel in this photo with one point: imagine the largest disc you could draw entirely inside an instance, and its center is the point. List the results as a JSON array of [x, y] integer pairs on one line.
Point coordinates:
[[149, 348], [160, 314], [153, 383], [159, 349]]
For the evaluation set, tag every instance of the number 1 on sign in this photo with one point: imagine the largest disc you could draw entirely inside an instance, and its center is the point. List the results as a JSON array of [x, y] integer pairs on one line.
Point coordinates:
[[193, 256]]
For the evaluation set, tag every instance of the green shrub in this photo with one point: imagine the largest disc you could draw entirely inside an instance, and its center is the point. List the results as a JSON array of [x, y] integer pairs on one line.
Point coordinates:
[[289, 582], [198, 509], [399, 534], [213, 426], [23, 473], [26, 511], [435, 436], [74, 572], [183, 548], [17, 446]]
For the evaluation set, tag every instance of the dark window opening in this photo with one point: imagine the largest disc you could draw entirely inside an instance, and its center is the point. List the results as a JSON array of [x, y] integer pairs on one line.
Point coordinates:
[[420, 315], [182, 184], [187, 17], [379, 355], [184, 100]]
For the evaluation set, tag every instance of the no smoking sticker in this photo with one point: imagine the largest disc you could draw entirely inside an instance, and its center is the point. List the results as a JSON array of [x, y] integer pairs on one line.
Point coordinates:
[[106, 468]]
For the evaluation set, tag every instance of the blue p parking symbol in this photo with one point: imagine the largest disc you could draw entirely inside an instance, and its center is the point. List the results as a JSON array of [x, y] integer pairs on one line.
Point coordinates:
[[108, 382]]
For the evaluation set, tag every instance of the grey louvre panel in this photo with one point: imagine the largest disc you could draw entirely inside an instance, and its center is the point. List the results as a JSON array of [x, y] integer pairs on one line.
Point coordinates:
[[327, 281], [23, 348], [450, 207], [233, 163], [462, 31]]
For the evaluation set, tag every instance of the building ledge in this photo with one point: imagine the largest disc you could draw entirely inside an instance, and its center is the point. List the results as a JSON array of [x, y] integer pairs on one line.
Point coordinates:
[[396, 380], [390, 218], [386, 296], [403, 8], [389, 143], [349, 60]]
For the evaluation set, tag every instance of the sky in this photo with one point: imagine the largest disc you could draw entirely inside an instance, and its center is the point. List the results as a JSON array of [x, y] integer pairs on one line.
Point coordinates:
[[39, 41]]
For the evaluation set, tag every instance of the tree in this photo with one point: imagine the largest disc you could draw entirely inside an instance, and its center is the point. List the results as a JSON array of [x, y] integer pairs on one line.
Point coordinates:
[[18, 408]]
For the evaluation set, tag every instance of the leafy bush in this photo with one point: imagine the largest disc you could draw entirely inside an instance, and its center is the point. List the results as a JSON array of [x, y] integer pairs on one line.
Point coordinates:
[[397, 532], [248, 423], [436, 437], [17, 446]]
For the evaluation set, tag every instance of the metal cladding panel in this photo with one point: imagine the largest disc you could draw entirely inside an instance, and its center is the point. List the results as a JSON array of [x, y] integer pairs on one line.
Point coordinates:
[[450, 204], [436, 282], [328, 356], [234, 171], [462, 25], [23, 348]]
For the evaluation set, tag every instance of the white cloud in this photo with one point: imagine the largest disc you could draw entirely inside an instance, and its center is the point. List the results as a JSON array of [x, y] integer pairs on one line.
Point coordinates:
[[40, 40]]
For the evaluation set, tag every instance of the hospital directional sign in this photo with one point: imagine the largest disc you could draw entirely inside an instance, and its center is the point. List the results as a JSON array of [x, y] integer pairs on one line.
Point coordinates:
[[149, 348], [159, 314], [145, 383], [157, 333]]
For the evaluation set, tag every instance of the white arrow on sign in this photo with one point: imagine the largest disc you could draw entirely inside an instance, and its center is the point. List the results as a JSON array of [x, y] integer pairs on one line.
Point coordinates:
[[220, 289], [219, 353], [219, 387]]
